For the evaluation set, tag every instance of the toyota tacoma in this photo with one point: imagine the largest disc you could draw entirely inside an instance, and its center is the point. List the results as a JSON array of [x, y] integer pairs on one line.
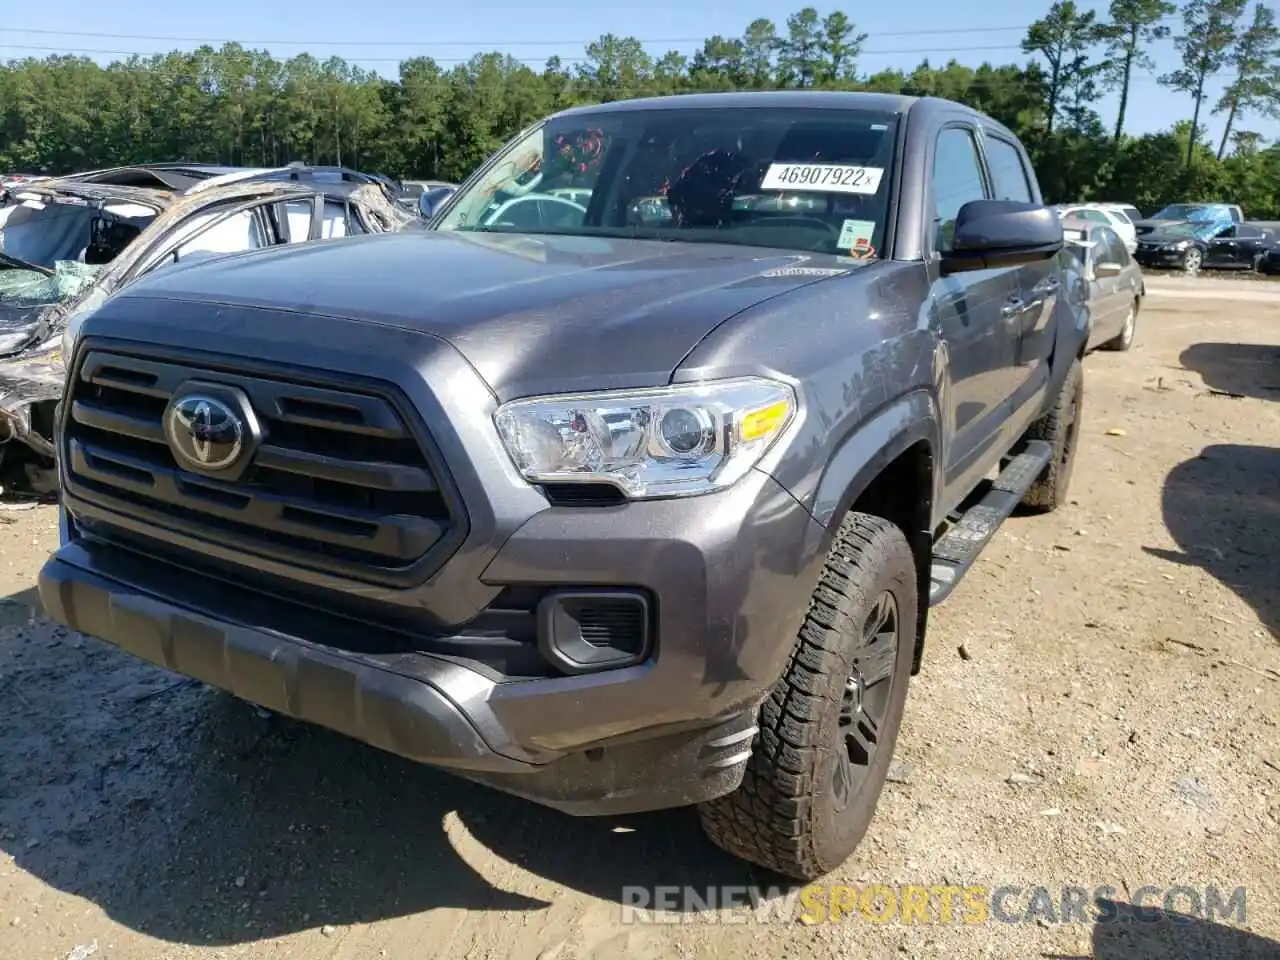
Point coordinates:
[[626, 484]]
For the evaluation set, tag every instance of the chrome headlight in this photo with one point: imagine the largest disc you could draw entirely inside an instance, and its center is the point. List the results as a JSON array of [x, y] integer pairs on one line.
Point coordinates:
[[1179, 245], [664, 442]]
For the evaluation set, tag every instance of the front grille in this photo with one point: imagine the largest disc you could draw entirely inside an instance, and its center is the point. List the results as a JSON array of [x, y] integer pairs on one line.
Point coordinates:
[[338, 482]]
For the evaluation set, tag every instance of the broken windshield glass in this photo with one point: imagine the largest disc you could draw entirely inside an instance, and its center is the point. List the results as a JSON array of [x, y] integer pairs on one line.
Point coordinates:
[[44, 233]]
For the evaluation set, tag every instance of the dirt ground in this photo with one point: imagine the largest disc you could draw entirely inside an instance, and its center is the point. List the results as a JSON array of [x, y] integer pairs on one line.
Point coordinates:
[[1114, 719]]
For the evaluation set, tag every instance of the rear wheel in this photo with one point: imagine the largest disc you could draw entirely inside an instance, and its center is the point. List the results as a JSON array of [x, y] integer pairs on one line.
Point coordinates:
[[1060, 428], [1125, 339], [828, 729]]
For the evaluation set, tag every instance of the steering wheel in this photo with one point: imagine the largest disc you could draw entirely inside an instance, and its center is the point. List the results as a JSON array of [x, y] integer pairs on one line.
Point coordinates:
[[516, 190], [494, 218]]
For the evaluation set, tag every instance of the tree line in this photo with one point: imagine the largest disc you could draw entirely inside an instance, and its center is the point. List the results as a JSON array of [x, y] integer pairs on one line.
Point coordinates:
[[240, 106]]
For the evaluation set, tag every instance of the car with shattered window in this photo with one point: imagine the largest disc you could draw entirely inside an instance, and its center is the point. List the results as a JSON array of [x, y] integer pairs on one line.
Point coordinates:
[[1210, 245], [69, 243]]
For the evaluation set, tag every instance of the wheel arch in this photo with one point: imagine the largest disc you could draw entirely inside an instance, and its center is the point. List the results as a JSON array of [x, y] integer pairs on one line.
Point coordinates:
[[889, 468]]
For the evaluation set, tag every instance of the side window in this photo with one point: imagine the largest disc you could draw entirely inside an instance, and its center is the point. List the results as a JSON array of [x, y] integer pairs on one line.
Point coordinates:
[[1226, 233], [957, 180], [1007, 171], [295, 219], [236, 233], [334, 221], [1249, 233], [1113, 250], [1097, 216]]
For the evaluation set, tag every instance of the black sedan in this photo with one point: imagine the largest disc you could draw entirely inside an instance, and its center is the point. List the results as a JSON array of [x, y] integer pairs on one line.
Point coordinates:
[[1211, 246]]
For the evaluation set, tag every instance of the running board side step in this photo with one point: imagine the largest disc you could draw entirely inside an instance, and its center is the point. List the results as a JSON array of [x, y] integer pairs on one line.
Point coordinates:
[[957, 549]]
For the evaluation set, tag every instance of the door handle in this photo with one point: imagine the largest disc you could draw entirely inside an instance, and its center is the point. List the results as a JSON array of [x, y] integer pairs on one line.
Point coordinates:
[[1012, 307], [1048, 285]]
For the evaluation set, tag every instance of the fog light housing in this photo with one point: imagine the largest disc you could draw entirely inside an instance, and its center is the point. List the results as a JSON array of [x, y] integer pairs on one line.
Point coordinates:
[[584, 631]]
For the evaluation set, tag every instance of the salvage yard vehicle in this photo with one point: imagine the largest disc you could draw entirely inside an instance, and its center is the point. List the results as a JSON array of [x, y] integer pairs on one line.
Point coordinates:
[[1111, 283], [1214, 245], [69, 243], [614, 517], [1220, 213]]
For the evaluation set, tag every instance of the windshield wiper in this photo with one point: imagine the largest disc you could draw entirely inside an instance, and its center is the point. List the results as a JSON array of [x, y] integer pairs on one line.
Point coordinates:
[[24, 264]]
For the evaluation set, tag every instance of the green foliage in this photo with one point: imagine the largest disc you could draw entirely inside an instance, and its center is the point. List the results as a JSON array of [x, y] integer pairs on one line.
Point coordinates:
[[238, 106]]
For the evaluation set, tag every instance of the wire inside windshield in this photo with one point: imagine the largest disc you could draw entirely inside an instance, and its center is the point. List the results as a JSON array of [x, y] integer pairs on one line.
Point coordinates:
[[813, 180]]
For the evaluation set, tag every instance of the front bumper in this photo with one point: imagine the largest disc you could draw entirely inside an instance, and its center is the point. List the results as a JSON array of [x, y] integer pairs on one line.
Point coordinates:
[[30, 386], [404, 666], [1159, 258], [731, 581]]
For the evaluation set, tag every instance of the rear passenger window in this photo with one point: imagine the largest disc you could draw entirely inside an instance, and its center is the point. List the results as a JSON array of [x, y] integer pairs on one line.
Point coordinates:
[[1007, 171], [957, 179], [334, 221]]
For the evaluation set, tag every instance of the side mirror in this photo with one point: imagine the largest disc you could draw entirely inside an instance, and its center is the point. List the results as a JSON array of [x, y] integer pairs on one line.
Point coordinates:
[[432, 200], [1002, 233], [1107, 269]]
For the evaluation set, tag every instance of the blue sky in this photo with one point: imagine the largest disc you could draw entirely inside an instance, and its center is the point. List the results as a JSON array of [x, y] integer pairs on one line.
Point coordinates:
[[376, 37]]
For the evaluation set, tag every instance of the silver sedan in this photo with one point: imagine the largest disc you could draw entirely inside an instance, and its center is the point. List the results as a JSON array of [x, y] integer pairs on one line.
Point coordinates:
[[1111, 282]]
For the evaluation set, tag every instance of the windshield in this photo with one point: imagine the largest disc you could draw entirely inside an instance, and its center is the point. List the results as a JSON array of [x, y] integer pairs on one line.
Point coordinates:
[[44, 232], [21, 288], [1190, 229], [810, 180]]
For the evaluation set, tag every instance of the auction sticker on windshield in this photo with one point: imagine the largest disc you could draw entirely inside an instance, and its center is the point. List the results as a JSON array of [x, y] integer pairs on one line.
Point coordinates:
[[856, 235], [824, 177]]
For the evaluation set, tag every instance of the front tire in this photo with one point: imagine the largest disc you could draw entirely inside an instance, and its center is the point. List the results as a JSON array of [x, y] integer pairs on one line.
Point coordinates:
[[828, 728], [1192, 260], [1125, 340]]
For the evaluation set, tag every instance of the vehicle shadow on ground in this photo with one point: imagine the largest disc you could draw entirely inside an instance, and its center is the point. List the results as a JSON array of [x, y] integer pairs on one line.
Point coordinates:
[[1149, 933], [1239, 369], [196, 818], [1223, 510]]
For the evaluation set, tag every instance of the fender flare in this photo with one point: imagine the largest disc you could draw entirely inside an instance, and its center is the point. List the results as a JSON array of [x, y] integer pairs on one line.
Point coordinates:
[[871, 447], [861, 457]]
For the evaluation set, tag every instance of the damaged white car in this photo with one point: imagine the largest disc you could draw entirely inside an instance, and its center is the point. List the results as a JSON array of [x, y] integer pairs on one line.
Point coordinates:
[[68, 243]]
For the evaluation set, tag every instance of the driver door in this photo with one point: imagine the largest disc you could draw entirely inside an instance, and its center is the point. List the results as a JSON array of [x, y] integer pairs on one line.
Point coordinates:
[[1109, 301], [976, 315], [1224, 249]]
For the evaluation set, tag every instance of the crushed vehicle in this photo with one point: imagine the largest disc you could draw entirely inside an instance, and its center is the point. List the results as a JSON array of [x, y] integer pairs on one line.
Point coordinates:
[[1110, 282], [643, 501], [68, 243]]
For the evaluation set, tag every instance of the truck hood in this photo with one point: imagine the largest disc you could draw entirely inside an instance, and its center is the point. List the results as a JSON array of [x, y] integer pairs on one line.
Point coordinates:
[[533, 314]]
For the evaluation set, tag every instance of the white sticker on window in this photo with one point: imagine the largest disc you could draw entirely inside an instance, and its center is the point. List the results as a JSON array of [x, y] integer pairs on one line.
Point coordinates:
[[856, 235], [823, 177]]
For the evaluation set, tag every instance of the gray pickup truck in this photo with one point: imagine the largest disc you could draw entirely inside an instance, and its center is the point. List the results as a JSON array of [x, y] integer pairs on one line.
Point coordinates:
[[627, 484]]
